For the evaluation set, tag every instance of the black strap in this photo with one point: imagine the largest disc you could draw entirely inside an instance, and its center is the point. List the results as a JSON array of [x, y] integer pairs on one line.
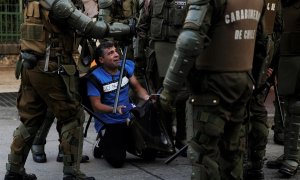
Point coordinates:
[[96, 83]]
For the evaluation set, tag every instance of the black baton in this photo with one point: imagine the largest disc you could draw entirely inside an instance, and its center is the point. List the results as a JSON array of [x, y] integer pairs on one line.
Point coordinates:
[[174, 156]]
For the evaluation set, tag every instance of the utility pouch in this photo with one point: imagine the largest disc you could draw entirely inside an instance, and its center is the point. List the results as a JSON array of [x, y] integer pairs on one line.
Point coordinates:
[[157, 21], [204, 100], [71, 82], [27, 61], [157, 28], [180, 11], [33, 34]]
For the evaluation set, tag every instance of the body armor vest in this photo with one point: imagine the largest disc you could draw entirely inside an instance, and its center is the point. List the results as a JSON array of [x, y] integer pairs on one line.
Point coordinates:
[[290, 39], [37, 32], [233, 38], [167, 19], [121, 11]]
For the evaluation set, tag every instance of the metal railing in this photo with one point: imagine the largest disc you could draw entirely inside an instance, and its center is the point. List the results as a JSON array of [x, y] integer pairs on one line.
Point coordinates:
[[10, 20]]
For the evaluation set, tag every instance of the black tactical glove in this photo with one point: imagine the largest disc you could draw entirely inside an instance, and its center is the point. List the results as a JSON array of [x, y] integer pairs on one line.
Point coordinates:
[[166, 100]]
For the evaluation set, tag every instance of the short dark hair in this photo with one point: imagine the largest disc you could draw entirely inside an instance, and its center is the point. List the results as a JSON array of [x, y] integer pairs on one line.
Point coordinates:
[[99, 51]]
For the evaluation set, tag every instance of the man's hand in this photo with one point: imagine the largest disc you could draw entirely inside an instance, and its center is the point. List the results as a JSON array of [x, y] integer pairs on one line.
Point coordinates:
[[269, 72], [120, 109], [167, 100]]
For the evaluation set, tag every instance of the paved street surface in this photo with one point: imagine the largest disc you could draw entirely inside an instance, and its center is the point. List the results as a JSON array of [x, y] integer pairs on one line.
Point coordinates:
[[134, 169]]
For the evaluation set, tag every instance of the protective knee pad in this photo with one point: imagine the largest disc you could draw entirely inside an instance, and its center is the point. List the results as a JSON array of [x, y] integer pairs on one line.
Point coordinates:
[[203, 149], [71, 143], [199, 172], [193, 153], [207, 130], [23, 137], [20, 147], [206, 169]]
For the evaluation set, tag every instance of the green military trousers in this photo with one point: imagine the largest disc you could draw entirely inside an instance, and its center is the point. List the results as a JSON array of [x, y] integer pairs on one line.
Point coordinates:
[[215, 114], [289, 90], [257, 131], [39, 91]]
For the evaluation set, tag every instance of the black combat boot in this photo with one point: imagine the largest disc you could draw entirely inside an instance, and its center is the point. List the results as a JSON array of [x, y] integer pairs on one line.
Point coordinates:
[[15, 176], [288, 168], [39, 158], [38, 153], [275, 164]]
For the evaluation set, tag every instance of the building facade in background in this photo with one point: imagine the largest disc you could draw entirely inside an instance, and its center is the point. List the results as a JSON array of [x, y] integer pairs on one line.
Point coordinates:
[[10, 20]]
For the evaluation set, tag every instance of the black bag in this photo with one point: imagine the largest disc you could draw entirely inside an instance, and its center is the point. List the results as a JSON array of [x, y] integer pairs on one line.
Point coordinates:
[[148, 133]]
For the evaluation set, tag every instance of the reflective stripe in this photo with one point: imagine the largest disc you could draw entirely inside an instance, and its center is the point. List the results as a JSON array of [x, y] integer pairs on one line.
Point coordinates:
[[113, 86]]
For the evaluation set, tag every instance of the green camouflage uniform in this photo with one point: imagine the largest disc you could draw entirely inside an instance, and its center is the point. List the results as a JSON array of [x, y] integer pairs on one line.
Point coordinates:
[[215, 53], [159, 25], [49, 80], [267, 43]]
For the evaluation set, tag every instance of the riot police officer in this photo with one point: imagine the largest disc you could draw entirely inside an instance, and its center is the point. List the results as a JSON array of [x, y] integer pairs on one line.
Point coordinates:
[[288, 85], [257, 127], [215, 52], [159, 25], [50, 79]]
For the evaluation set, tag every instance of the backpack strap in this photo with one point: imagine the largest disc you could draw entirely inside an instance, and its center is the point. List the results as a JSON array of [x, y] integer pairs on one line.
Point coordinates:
[[99, 86], [96, 83]]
